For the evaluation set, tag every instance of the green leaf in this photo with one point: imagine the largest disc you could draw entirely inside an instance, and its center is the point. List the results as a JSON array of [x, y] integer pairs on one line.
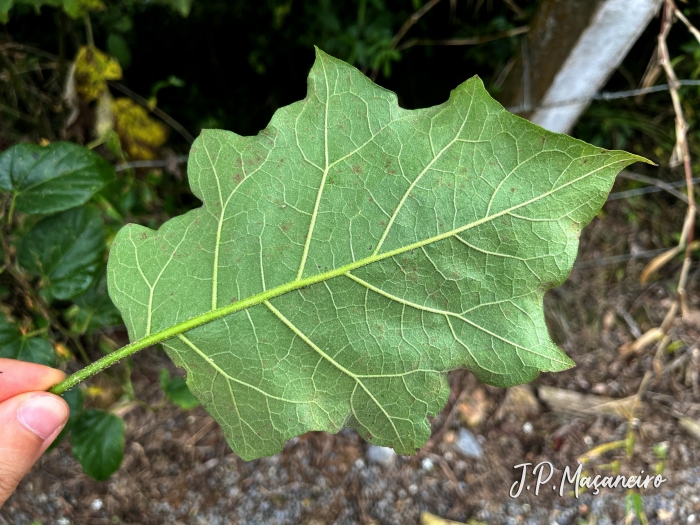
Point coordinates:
[[635, 505], [119, 49], [65, 250], [176, 390], [54, 178], [79, 8], [74, 398], [351, 254], [5, 6], [14, 345], [98, 442], [35, 350], [96, 309]]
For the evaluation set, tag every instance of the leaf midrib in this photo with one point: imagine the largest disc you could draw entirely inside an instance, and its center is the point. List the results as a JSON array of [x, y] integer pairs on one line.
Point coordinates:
[[254, 300]]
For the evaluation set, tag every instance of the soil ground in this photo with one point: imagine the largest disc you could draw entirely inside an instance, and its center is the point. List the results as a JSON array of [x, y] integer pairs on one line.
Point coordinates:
[[178, 469]]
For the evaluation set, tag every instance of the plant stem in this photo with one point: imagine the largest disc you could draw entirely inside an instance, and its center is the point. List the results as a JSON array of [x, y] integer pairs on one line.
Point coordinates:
[[11, 211], [105, 362], [88, 32]]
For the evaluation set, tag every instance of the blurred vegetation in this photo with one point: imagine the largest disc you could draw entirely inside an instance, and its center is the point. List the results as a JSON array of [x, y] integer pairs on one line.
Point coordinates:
[[238, 61]]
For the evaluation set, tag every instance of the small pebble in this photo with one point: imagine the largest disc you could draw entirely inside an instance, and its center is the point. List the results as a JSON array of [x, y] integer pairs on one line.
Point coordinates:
[[382, 455], [427, 464], [467, 444], [96, 504], [359, 464], [692, 518], [527, 427]]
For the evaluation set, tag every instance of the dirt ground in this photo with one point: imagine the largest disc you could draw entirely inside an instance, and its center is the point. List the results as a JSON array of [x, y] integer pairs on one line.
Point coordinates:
[[178, 468]]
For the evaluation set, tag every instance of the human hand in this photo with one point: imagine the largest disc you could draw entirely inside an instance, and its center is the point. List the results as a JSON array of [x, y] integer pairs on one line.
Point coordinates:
[[30, 418]]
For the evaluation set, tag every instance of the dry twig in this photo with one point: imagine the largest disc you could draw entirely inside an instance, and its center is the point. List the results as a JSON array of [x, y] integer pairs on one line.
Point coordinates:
[[681, 155], [681, 151], [412, 20], [472, 41]]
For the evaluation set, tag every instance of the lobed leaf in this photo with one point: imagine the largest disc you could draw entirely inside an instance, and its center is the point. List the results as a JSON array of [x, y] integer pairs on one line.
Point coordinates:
[[350, 255]]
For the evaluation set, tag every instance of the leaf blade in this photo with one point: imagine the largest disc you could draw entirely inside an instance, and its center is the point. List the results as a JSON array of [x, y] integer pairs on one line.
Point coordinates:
[[53, 178], [97, 438], [65, 250], [361, 251]]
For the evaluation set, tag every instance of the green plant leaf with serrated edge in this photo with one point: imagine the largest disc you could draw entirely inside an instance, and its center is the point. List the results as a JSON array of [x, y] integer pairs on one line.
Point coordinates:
[[53, 178], [351, 254], [98, 442], [65, 250]]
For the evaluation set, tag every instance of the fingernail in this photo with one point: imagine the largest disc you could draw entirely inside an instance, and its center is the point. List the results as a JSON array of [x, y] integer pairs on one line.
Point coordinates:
[[43, 415]]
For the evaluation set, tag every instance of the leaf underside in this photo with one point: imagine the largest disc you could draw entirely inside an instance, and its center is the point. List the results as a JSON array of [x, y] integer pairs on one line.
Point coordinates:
[[351, 254]]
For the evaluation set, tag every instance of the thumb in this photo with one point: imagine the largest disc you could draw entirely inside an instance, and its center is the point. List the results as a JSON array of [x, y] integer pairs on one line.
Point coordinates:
[[28, 425]]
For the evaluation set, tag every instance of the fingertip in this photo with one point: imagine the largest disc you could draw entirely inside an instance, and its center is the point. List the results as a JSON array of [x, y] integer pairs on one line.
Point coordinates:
[[17, 377], [44, 415], [29, 423]]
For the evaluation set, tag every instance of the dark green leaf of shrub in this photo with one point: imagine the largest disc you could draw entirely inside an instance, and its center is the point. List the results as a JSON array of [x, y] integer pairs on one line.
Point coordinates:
[[66, 250], [16, 346], [36, 350], [96, 308], [351, 254], [98, 442], [176, 390], [53, 178]]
